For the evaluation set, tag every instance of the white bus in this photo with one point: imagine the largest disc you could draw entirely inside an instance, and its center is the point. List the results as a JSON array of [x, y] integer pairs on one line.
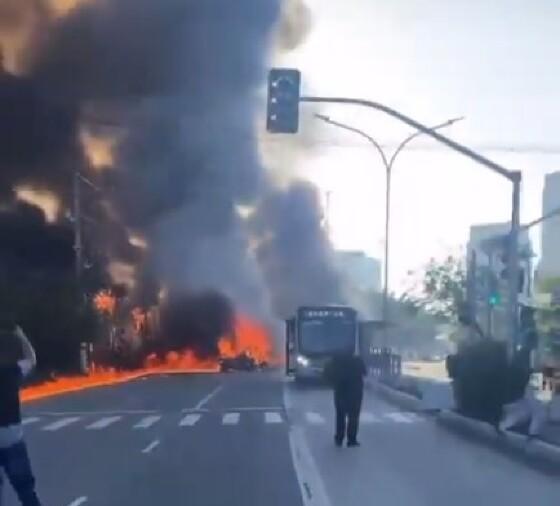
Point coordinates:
[[315, 334]]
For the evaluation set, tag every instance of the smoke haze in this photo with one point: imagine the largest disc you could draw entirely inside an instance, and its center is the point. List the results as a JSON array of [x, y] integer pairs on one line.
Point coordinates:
[[177, 82]]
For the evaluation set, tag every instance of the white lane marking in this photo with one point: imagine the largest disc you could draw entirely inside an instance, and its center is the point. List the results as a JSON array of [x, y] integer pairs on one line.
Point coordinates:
[[272, 417], [366, 417], [147, 422], [208, 398], [257, 408], [313, 492], [103, 422], [30, 419], [51, 427], [402, 417], [151, 446], [78, 501], [100, 413], [230, 419], [189, 420], [314, 418]]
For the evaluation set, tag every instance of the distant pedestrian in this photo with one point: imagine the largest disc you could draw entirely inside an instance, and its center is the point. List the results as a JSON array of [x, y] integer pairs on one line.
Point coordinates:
[[17, 359], [346, 372]]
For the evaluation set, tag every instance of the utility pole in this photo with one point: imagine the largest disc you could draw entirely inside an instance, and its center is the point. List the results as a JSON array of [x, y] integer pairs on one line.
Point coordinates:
[[282, 117], [471, 292], [328, 196], [78, 244], [388, 163], [513, 177], [513, 264]]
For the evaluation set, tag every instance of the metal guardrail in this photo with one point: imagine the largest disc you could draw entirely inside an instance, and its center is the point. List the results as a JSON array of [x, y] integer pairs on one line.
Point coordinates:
[[383, 363]]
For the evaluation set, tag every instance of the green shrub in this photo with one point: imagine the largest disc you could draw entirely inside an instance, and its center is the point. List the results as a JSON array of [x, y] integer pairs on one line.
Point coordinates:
[[484, 379]]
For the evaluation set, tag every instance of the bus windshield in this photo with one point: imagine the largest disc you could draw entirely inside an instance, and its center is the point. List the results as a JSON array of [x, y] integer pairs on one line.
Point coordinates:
[[325, 336]]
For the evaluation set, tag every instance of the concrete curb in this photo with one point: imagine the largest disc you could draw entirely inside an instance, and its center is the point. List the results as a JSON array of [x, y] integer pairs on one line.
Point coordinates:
[[529, 450], [394, 396], [532, 451]]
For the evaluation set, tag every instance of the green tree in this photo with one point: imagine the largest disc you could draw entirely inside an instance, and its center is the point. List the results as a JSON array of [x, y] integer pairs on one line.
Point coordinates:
[[441, 289], [548, 321]]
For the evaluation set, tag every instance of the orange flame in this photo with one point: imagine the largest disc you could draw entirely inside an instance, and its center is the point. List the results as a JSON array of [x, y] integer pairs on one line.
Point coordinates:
[[105, 302], [250, 337]]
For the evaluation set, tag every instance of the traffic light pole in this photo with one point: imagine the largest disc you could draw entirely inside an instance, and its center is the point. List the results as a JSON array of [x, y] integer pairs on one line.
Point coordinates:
[[513, 264], [513, 176]]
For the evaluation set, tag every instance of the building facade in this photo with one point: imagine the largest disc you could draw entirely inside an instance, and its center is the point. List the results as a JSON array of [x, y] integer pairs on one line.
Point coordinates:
[[549, 266]]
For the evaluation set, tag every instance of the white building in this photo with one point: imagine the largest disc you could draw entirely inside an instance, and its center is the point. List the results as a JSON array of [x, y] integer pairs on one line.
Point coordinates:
[[481, 234], [549, 266], [360, 271]]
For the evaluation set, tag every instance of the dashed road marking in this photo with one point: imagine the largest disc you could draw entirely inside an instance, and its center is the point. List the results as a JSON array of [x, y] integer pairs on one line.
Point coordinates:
[[79, 501], [256, 408], [30, 419], [230, 419], [314, 418], [103, 423], [272, 417], [153, 445], [189, 420], [99, 413], [147, 422], [208, 398], [51, 427], [402, 417]]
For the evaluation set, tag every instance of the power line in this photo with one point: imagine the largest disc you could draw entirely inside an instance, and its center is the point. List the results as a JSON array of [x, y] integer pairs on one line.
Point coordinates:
[[496, 148]]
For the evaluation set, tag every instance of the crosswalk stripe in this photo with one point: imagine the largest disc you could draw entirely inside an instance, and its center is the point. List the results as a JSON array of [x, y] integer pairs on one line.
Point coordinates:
[[367, 417], [103, 422], [314, 418], [30, 419], [189, 420], [230, 419], [272, 417], [51, 427], [147, 422], [402, 417]]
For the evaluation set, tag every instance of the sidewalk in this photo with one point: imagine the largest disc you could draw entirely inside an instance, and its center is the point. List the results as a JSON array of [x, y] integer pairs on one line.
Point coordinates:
[[551, 433]]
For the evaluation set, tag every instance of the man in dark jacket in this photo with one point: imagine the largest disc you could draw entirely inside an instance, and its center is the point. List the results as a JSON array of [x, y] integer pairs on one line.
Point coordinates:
[[17, 359], [346, 374]]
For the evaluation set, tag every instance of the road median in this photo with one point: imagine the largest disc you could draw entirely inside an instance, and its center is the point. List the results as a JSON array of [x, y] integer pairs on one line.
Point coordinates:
[[530, 450]]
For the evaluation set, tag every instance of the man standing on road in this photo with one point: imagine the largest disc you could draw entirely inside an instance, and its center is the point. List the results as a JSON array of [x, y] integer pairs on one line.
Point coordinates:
[[346, 374], [17, 359]]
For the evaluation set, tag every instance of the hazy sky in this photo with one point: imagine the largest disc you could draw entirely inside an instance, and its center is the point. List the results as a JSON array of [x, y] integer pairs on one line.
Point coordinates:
[[494, 62]]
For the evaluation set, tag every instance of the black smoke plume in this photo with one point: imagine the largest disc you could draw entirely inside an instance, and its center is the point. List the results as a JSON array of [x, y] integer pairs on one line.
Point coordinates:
[[294, 251], [29, 244], [179, 82], [195, 322]]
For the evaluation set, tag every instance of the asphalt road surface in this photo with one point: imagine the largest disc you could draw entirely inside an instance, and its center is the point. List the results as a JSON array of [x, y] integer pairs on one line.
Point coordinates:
[[253, 439]]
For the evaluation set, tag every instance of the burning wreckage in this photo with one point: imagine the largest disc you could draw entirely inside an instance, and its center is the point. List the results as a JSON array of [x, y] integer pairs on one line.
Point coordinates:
[[149, 145], [186, 333]]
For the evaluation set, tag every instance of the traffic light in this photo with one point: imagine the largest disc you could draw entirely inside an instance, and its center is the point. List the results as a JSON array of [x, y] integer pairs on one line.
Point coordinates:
[[282, 114], [494, 295]]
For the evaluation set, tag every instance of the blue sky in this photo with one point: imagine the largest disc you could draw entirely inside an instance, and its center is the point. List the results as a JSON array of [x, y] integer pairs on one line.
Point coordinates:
[[493, 62]]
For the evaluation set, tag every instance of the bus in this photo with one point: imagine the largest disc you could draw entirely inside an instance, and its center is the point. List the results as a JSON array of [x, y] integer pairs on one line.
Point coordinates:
[[315, 334]]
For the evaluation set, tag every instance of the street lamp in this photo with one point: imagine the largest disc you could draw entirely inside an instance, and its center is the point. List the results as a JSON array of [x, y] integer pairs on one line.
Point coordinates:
[[388, 164]]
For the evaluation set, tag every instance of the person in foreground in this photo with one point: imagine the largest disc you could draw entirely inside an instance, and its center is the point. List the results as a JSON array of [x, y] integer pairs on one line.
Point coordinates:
[[17, 359], [345, 372]]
